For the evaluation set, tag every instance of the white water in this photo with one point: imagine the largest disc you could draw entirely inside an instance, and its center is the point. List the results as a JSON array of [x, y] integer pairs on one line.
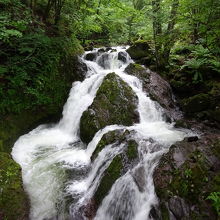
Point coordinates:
[[46, 154]]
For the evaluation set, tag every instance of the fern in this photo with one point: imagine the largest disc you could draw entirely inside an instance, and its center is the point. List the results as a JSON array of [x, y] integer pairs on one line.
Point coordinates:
[[194, 63], [215, 198], [215, 65], [201, 52]]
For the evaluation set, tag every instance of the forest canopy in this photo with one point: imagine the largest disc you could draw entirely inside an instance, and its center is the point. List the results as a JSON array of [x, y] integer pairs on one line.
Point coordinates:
[[36, 34]]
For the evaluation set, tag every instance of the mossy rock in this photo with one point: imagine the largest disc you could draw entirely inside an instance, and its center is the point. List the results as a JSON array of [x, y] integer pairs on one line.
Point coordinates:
[[196, 103], [132, 150], [115, 103], [14, 204], [116, 136], [125, 160], [139, 50], [138, 71], [112, 173], [193, 180]]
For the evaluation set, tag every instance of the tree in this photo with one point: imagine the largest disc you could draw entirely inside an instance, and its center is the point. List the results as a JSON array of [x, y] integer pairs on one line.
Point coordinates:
[[163, 39]]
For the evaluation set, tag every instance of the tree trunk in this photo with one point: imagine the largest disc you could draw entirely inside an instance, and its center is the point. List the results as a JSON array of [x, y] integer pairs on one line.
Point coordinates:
[[170, 31], [157, 29], [48, 8], [163, 41]]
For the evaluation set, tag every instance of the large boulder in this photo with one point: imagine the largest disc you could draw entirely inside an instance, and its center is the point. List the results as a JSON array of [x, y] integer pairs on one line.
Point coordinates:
[[139, 50], [115, 103], [124, 160], [158, 89], [186, 176], [196, 103], [14, 203], [121, 162]]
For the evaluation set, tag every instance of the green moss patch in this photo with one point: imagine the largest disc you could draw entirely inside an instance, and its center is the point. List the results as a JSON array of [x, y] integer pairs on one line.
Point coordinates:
[[132, 150], [110, 176], [13, 200], [115, 103]]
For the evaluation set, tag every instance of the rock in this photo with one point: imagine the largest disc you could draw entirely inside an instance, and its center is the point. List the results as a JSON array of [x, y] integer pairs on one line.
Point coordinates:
[[139, 50], [121, 163], [115, 103], [178, 207], [80, 70], [181, 124], [139, 178], [147, 61], [91, 56], [184, 178], [116, 136], [196, 103], [108, 48], [139, 71], [112, 173], [103, 61], [192, 138], [14, 203], [113, 50], [158, 89], [122, 56], [101, 50]]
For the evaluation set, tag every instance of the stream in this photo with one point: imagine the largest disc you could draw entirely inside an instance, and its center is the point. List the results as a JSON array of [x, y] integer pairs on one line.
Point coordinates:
[[57, 170]]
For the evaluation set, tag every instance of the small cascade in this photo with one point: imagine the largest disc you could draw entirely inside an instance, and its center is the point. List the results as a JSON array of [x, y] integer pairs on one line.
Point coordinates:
[[57, 170]]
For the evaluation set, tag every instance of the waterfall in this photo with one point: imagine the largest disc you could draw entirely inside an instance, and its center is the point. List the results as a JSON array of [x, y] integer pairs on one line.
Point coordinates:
[[57, 171]]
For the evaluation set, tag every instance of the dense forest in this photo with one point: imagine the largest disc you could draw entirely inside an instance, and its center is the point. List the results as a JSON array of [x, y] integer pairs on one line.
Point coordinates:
[[40, 41], [37, 36]]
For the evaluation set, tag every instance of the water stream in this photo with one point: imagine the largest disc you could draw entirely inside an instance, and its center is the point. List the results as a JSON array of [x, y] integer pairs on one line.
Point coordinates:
[[56, 167]]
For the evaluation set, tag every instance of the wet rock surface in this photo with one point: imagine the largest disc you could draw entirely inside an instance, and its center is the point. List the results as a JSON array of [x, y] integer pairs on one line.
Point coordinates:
[[139, 50], [91, 56], [121, 163], [115, 103], [158, 89], [187, 175], [122, 56]]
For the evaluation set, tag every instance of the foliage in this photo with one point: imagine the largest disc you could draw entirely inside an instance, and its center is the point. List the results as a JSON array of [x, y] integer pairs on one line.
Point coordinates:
[[215, 198], [30, 60], [32, 35]]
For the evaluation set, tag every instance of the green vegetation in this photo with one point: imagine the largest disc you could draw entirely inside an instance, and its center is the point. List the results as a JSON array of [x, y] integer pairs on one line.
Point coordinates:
[[39, 43], [132, 150], [110, 176], [215, 198], [115, 103], [36, 37], [13, 201]]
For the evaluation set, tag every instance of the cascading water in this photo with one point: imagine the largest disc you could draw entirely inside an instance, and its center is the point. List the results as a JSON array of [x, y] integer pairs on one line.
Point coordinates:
[[56, 168]]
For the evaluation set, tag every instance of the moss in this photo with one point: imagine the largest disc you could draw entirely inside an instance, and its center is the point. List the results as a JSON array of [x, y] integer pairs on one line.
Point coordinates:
[[139, 50], [117, 136], [191, 178], [181, 124], [132, 149], [13, 126], [110, 176], [138, 70], [164, 212], [115, 103], [196, 103], [13, 200]]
